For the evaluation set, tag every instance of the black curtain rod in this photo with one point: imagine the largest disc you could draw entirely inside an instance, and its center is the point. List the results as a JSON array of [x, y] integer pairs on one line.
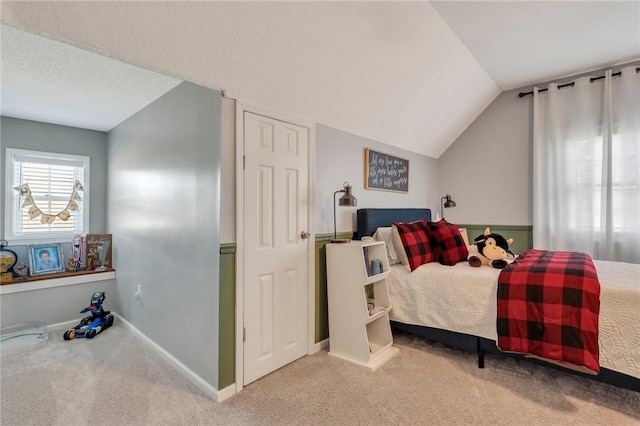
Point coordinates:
[[523, 94], [615, 74], [573, 83]]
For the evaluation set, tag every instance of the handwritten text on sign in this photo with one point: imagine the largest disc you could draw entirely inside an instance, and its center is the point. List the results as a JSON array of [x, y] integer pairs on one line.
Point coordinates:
[[383, 171]]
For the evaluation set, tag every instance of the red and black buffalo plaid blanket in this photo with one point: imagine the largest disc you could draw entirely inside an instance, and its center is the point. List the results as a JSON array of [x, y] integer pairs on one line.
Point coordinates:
[[548, 305]]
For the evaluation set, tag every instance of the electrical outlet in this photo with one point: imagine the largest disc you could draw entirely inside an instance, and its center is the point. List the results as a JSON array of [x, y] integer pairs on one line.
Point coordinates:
[[138, 293]]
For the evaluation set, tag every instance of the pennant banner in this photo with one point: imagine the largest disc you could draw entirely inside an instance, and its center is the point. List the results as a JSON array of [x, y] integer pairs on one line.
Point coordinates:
[[47, 219], [24, 189], [35, 212], [28, 201]]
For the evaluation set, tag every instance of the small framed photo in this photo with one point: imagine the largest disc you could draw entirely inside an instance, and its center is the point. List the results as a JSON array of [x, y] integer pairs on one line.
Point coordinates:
[[45, 259]]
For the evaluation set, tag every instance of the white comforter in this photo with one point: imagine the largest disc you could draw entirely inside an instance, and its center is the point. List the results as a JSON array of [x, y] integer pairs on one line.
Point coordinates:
[[463, 299]]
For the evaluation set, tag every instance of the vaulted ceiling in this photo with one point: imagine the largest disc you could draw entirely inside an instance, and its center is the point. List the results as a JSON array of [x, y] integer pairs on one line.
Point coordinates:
[[411, 74], [45, 80]]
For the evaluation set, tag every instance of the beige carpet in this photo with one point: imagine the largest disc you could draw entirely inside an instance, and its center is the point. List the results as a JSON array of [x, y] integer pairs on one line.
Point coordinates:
[[114, 379]]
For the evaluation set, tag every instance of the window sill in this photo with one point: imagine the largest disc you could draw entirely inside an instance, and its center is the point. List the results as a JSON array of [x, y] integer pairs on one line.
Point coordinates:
[[56, 280], [25, 241]]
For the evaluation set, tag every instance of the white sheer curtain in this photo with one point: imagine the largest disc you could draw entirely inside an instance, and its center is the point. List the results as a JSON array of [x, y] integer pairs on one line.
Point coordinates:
[[586, 167]]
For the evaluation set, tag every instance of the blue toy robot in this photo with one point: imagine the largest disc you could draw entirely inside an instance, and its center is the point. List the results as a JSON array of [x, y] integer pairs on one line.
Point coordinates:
[[98, 320]]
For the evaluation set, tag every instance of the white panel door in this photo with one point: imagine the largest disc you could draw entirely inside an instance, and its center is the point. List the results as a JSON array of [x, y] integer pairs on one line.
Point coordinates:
[[275, 251]]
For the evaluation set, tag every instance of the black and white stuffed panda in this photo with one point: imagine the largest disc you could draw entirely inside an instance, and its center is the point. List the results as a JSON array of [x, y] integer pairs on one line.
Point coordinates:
[[491, 250]]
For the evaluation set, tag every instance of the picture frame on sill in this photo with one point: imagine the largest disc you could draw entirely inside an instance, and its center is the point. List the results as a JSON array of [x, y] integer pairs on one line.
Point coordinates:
[[100, 248], [46, 258]]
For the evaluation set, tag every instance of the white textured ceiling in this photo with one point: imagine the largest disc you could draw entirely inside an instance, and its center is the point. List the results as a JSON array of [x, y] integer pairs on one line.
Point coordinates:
[[49, 81], [393, 72], [396, 72], [520, 43]]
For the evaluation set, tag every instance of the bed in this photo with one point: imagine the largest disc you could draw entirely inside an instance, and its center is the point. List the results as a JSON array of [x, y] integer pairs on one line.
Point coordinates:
[[462, 313]]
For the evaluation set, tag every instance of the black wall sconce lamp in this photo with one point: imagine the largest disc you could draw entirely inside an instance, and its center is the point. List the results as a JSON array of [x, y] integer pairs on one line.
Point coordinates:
[[445, 203], [346, 200]]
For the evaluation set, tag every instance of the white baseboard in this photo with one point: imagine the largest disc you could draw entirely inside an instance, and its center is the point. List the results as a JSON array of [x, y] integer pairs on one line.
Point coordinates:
[[63, 325], [324, 344], [320, 346], [198, 381], [226, 393]]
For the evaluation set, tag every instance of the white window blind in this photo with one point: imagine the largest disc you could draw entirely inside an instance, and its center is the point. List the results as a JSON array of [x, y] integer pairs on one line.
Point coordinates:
[[51, 178]]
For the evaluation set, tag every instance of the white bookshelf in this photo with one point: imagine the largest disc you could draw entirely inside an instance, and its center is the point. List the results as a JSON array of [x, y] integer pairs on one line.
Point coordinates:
[[356, 333]]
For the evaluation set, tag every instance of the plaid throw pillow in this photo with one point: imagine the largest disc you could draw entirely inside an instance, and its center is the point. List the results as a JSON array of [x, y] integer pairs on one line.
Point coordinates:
[[415, 239], [447, 242]]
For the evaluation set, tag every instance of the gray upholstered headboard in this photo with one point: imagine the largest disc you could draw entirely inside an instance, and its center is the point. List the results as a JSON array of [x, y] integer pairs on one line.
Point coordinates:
[[371, 219]]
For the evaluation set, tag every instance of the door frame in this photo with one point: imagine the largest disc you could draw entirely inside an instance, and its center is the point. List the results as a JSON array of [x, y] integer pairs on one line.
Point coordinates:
[[312, 347]]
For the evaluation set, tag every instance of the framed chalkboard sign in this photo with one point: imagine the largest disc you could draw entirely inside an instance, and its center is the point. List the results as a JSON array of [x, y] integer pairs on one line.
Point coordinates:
[[385, 172]]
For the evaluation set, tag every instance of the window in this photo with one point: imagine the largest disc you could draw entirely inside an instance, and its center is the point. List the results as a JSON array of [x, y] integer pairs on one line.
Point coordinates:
[[51, 178], [587, 167], [624, 183]]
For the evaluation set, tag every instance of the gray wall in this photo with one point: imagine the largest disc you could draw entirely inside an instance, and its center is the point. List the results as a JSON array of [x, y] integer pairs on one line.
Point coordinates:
[[164, 214], [488, 170], [340, 157], [25, 134], [57, 304]]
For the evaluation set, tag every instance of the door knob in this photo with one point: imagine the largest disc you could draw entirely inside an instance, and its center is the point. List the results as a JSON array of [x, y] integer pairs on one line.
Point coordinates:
[[304, 235]]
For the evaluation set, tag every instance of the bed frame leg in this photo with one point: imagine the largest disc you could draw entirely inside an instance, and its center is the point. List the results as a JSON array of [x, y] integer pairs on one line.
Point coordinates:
[[480, 359], [480, 356]]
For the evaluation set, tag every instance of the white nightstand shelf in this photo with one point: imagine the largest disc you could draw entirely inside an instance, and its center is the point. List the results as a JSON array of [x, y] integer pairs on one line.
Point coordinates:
[[376, 278], [377, 315], [356, 334]]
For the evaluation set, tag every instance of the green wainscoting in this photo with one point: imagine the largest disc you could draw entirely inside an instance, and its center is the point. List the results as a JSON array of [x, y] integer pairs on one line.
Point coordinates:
[[226, 355], [322, 309], [522, 234], [227, 339]]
